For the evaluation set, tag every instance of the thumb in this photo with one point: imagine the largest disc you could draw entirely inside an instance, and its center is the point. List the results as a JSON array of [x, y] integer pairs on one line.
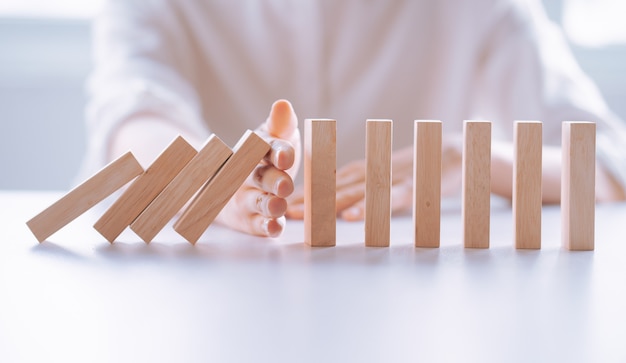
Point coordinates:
[[282, 121]]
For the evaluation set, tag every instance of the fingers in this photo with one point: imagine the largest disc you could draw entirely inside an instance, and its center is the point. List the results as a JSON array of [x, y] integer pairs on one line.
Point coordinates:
[[351, 174], [401, 202], [272, 180], [349, 196], [281, 155], [261, 226], [282, 121], [254, 212], [351, 203], [264, 204]]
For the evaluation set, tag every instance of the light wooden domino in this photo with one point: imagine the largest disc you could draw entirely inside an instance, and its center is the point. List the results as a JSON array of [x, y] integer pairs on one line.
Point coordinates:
[[427, 183], [527, 184], [144, 189], [80, 199], [378, 182], [578, 185], [212, 198], [476, 180], [320, 168], [212, 155]]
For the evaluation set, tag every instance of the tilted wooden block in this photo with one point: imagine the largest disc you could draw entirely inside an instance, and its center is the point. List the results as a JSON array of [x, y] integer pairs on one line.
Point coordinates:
[[476, 180], [378, 182], [144, 189], [212, 198], [578, 185], [80, 199], [320, 182], [527, 184], [427, 183], [181, 189]]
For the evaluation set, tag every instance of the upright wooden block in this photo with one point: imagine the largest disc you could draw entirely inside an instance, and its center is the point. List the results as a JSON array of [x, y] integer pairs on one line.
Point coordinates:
[[320, 168], [144, 189], [578, 185], [212, 198], [80, 199], [476, 179], [179, 191], [427, 183], [527, 184], [378, 134]]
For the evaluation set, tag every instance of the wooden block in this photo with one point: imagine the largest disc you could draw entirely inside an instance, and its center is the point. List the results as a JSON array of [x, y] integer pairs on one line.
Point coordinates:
[[578, 185], [527, 184], [212, 198], [144, 189], [378, 182], [181, 189], [80, 199], [320, 182], [427, 183], [476, 179]]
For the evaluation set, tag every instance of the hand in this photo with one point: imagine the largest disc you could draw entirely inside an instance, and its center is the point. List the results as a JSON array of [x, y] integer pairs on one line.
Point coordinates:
[[259, 206], [351, 183]]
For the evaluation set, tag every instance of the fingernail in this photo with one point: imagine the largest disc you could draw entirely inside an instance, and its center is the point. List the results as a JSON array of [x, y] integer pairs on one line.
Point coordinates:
[[268, 232], [279, 188]]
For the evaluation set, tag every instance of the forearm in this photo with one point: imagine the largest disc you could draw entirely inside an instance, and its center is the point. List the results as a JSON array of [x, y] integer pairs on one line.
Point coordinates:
[[146, 135]]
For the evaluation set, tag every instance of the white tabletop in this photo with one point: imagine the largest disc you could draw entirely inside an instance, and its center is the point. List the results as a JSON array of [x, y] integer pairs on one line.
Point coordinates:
[[236, 298]]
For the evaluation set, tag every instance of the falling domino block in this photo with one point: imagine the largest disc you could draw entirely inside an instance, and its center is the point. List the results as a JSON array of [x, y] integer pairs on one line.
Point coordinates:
[[320, 167], [80, 199], [181, 189], [144, 189], [578, 185], [378, 182], [427, 183], [212, 198], [476, 180], [527, 184]]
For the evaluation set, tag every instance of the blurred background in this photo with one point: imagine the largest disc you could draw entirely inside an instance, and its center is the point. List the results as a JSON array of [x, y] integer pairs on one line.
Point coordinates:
[[45, 58]]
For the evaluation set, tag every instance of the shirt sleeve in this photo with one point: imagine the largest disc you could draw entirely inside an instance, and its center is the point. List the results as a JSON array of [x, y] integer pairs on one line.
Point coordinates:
[[143, 63], [526, 71]]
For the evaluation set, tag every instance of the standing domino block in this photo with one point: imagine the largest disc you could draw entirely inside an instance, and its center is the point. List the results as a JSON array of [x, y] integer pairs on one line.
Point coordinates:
[[427, 183], [320, 168], [172, 199], [378, 182], [476, 179], [217, 192], [80, 199], [144, 189], [578, 185], [527, 184]]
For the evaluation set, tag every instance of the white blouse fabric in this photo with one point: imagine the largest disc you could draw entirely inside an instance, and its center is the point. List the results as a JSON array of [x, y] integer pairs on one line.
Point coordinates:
[[216, 67]]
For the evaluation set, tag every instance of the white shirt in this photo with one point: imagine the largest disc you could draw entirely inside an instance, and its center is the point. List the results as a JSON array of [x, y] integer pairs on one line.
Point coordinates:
[[217, 66]]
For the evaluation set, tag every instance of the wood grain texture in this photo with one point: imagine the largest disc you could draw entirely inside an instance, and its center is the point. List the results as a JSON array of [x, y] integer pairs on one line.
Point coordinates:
[[427, 183], [578, 185], [212, 198], [527, 173], [476, 180], [82, 198], [212, 155], [320, 169], [378, 149], [145, 188]]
